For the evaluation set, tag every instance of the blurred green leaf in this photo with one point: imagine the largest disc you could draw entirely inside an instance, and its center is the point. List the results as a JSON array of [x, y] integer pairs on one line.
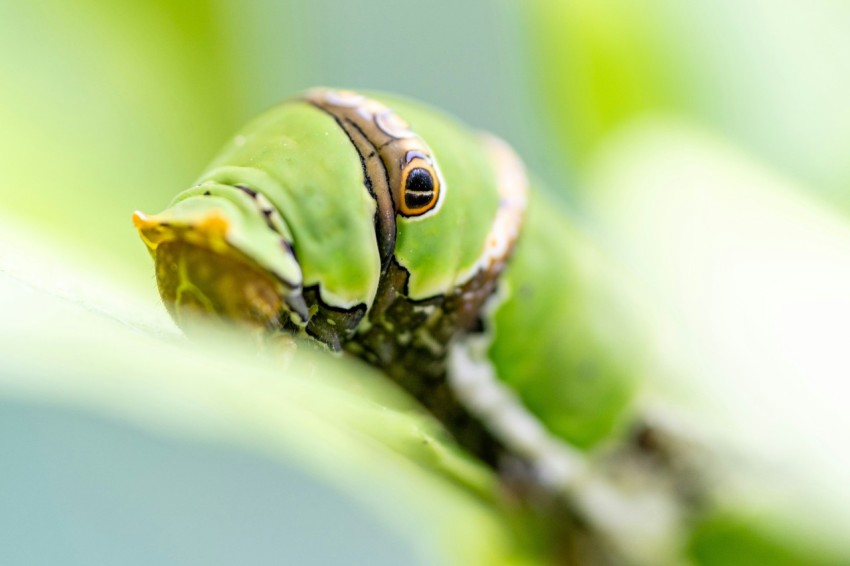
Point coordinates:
[[749, 278], [112, 107], [595, 65], [115, 354], [773, 77]]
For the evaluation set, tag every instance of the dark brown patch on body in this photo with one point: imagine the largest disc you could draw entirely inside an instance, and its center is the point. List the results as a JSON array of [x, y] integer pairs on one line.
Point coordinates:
[[332, 325], [409, 339]]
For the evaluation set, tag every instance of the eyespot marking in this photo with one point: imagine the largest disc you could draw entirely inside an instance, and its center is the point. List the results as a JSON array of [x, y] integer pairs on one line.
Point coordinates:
[[420, 188], [419, 181], [399, 168]]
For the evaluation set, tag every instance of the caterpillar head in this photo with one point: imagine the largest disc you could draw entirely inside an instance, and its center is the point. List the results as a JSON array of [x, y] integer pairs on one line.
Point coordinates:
[[297, 223]]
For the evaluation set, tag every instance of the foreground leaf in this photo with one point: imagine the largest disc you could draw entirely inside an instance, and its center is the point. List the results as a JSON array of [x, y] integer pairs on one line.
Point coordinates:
[[68, 338]]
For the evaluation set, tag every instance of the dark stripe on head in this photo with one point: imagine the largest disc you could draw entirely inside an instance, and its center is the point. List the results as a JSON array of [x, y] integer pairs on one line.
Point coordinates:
[[345, 109]]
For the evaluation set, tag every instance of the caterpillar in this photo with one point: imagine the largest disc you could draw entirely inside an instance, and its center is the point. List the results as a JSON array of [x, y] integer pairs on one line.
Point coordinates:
[[378, 227]]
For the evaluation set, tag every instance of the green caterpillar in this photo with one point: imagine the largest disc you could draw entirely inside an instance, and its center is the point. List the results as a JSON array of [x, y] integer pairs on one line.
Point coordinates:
[[379, 227], [332, 217]]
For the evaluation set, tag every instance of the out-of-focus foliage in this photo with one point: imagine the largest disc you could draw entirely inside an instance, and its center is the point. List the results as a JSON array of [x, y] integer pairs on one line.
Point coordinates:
[[108, 107], [745, 270], [774, 77], [747, 277], [596, 65], [70, 338]]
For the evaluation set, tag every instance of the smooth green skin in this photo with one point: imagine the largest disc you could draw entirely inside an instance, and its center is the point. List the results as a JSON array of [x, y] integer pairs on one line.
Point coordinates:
[[573, 370], [303, 162], [253, 239], [439, 249]]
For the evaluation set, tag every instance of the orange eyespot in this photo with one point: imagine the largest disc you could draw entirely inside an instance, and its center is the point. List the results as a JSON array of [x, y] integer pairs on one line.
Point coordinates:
[[420, 185]]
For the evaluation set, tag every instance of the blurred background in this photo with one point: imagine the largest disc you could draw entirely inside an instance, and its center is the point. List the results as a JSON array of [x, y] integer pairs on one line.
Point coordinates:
[[107, 108], [704, 145]]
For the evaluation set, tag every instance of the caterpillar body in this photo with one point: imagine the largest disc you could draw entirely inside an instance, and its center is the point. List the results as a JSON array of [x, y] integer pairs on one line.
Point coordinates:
[[382, 228]]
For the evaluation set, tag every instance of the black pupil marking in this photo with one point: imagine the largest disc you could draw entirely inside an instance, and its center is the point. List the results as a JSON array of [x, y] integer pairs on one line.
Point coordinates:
[[251, 192], [418, 189]]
